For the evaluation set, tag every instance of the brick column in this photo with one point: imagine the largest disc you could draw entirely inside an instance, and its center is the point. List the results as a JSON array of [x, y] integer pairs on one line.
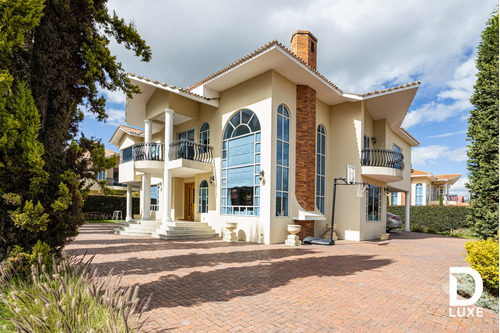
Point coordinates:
[[305, 156], [307, 229]]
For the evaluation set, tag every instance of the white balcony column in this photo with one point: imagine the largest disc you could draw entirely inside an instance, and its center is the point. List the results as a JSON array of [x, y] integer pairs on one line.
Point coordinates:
[[146, 196], [447, 198], [148, 136], [167, 182], [129, 203], [407, 211]]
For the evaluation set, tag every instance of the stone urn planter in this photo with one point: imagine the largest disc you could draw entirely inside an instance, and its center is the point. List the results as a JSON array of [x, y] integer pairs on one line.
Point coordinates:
[[384, 236], [229, 234], [293, 239]]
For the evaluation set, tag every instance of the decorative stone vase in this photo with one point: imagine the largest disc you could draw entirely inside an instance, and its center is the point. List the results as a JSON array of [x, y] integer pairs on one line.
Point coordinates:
[[334, 233], [293, 239], [384, 236], [229, 234]]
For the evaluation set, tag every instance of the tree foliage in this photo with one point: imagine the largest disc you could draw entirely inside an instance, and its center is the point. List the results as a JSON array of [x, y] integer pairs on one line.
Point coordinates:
[[55, 55], [483, 136]]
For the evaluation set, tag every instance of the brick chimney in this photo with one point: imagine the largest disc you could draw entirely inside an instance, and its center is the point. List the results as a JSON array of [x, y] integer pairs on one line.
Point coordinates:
[[304, 45]]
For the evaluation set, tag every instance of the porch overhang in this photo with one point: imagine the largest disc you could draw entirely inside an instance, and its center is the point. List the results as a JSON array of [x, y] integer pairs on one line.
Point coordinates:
[[184, 168]]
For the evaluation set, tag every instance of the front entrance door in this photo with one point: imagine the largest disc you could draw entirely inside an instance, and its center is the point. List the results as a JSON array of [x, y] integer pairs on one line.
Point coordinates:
[[189, 201]]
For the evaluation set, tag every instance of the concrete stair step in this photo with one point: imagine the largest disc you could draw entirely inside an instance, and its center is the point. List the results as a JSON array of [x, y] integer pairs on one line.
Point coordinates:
[[186, 236], [150, 223], [183, 224], [134, 233], [185, 232]]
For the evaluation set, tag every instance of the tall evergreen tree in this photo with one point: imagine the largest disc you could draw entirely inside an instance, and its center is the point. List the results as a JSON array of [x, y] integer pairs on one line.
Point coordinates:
[[483, 136], [65, 61]]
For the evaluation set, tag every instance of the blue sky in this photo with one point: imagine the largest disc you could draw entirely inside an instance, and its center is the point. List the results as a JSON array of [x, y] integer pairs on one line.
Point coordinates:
[[362, 46]]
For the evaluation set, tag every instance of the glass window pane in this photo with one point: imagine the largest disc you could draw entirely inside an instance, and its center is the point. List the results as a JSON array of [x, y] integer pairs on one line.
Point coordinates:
[[257, 180], [254, 124], [245, 116], [257, 190], [280, 128], [241, 130], [323, 165], [257, 147], [228, 132], [286, 130], [278, 204], [285, 154], [257, 137], [224, 192], [285, 204], [191, 135], [318, 185], [278, 178], [235, 120], [257, 211], [285, 179], [279, 153], [257, 201], [257, 158]]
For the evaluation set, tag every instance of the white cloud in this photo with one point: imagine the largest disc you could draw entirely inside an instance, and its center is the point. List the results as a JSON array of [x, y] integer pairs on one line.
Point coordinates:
[[459, 187], [445, 135], [459, 90], [433, 154], [117, 97], [115, 116]]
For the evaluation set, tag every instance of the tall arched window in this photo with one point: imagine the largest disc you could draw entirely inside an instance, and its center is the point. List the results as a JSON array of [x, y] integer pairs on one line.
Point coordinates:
[[203, 197], [205, 134], [240, 193], [419, 196], [320, 168], [282, 161]]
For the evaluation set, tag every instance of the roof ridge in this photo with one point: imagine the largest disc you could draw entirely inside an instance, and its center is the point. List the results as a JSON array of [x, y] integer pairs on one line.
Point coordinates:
[[166, 85], [254, 53], [405, 85]]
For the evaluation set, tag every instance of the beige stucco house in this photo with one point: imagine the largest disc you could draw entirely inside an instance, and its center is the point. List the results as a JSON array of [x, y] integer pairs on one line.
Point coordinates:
[[110, 176], [426, 189], [260, 143]]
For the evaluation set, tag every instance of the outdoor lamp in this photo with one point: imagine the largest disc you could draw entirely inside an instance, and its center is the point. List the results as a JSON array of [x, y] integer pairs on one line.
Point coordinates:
[[261, 175]]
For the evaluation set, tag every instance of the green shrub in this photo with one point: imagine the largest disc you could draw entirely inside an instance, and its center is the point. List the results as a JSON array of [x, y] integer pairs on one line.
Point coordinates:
[[71, 299], [438, 218], [107, 204], [21, 262], [483, 257]]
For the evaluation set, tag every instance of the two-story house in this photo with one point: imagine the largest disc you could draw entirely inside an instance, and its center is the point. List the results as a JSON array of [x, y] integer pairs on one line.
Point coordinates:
[[260, 142]]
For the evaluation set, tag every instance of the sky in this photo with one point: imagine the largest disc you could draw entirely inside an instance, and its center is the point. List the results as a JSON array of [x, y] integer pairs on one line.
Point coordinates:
[[362, 46]]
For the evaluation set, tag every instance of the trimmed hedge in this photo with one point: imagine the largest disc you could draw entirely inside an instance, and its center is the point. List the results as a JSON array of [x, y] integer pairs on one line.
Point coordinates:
[[107, 204], [439, 218]]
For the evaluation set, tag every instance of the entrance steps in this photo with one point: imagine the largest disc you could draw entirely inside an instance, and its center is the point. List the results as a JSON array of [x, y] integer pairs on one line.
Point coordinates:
[[168, 230]]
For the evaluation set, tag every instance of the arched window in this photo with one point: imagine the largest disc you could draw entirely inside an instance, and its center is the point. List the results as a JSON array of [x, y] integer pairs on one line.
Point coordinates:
[[203, 197], [419, 196], [320, 168], [240, 193], [282, 161], [205, 134]]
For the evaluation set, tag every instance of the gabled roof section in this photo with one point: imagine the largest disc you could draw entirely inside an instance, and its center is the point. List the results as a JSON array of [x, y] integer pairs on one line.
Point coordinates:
[[415, 172], [121, 130], [256, 53], [447, 177]]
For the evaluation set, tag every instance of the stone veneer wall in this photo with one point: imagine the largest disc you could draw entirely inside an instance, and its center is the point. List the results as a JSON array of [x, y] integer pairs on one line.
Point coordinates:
[[307, 229]]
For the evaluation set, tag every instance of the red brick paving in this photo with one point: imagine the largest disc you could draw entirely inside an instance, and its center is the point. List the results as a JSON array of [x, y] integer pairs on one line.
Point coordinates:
[[213, 286]]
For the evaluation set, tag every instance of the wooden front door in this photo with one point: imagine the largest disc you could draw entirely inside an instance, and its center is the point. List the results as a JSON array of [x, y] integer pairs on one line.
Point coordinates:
[[189, 201]]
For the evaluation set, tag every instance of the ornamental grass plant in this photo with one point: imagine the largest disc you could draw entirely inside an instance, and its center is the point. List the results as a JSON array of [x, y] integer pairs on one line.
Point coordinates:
[[70, 298]]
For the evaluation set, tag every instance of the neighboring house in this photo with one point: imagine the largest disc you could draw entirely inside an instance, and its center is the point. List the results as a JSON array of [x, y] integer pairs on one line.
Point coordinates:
[[426, 189], [110, 176], [260, 143]]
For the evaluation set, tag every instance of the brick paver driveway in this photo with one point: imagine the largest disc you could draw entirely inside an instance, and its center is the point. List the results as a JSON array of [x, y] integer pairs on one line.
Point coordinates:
[[210, 285]]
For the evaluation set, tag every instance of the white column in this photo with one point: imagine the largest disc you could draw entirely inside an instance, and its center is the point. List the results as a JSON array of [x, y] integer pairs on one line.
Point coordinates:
[[167, 183], [146, 197], [447, 194], [148, 130], [407, 211], [129, 203]]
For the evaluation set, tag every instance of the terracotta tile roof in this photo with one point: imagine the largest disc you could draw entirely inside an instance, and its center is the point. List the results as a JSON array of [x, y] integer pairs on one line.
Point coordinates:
[[131, 130], [166, 85], [255, 53], [109, 152], [455, 175], [415, 172], [391, 89]]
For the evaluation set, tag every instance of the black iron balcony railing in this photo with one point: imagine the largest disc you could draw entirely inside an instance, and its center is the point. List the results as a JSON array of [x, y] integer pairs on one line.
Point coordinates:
[[148, 152], [191, 151], [382, 158]]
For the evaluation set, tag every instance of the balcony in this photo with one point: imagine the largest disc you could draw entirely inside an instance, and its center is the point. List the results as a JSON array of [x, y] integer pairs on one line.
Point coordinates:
[[188, 158], [385, 165], [149, 157]]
